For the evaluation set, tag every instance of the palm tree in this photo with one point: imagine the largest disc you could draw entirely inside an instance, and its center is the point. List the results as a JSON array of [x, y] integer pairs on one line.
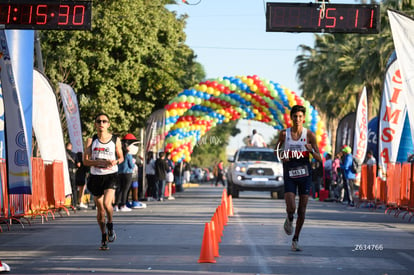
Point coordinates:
[[333, 73]]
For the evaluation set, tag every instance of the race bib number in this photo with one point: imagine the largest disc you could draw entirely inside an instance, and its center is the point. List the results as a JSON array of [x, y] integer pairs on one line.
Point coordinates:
[[298, 172]]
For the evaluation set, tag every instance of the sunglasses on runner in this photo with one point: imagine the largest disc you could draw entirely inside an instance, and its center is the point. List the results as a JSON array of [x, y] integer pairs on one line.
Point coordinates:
[[101, 121]]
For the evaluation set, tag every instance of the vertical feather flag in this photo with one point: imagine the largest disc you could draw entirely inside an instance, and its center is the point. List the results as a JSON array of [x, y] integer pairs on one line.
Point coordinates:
[[402, 29]]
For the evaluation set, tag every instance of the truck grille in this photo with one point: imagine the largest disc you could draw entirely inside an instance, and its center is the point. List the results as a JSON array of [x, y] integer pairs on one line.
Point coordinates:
[[260, 172]]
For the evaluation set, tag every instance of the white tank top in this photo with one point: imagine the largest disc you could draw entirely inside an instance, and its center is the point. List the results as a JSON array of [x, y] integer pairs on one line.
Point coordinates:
[[296, 145], [103, 151]]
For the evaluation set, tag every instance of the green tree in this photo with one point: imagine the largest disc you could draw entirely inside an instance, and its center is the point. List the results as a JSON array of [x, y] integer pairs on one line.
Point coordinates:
[[132, 62], [212, 146]]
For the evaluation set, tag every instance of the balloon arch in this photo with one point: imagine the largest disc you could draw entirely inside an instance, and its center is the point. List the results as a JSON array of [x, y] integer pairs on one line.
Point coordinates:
[[195, 111]]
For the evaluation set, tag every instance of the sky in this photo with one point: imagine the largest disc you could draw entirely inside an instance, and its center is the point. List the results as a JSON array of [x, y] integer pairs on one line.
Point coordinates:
[[229, 38]]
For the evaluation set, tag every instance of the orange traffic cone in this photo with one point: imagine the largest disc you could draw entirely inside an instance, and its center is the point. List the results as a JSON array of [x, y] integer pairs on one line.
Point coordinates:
[[230, 211], [218, 227], [220, 220], [207, 249], [214, 238], [224, 212], [224, 195]]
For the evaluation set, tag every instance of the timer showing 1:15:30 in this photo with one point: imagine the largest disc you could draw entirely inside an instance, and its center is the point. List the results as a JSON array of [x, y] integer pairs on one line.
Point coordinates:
[[69, 15]]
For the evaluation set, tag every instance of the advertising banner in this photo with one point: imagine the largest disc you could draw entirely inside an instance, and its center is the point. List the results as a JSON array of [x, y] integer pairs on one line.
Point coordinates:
[[17, 150], [361, 128], [392, 114], [70, 105], [402, 29], [47, 126]]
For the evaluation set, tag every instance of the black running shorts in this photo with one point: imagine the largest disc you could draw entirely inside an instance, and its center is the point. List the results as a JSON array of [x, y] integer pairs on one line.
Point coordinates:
[[301, 185], [97, 184]]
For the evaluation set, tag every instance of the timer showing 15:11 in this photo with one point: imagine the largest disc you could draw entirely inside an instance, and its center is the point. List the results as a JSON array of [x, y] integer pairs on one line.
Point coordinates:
[[70, 15], [333, 18]]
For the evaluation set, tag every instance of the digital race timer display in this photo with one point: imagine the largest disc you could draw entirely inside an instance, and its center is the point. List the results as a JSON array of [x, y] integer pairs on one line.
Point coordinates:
[[52, 14], [335, 18]]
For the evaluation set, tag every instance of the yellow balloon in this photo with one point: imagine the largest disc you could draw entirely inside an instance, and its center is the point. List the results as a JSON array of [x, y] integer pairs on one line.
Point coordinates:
[[180, 112], [203, 88], [318, 139], [173, 112], [319, 131], [210, 90]]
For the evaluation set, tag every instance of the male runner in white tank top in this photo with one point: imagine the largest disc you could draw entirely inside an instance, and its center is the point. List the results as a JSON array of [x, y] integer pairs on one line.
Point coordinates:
[[299, 144], [103, 153]]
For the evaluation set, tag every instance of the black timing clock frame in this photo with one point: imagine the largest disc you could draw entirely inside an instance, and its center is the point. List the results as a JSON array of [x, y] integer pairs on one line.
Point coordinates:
[[46, 14], [311, 17]]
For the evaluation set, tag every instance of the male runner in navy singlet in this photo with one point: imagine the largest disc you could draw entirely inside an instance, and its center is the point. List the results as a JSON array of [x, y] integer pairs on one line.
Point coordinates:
[[298, 145], [103, 153]]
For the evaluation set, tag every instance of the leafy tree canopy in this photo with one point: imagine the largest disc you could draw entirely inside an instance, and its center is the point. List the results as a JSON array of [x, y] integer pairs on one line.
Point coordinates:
[[132, 62]]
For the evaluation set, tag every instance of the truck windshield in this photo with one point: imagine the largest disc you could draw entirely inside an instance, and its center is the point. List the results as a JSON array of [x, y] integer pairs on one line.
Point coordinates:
[[257, 156]]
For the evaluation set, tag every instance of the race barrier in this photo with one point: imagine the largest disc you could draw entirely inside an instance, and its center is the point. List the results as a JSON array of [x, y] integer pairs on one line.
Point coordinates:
[[47, 196], [395, 193]]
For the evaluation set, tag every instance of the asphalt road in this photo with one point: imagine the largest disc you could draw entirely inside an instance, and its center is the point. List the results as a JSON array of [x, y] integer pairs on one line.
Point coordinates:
[[166, 238]]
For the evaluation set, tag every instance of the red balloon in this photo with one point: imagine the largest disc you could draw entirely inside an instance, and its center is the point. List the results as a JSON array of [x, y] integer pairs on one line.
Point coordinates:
[[220, 87]]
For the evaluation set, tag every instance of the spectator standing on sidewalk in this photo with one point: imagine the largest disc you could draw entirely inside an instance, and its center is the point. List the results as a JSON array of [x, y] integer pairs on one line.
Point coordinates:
[[328, 173], [150, 175], [161, 169], [170, 175], [337, 176], [179, 176], [125, 170], [370, 158], [72, 160], [81, 175], [136, 204], [186, 173], [220, 173], [348, 176], [103, 153]]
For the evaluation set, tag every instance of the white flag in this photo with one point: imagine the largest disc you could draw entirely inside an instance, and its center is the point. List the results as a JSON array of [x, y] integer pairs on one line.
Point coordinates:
[[392, 115], [361, 128], [70, 104], [402, 28]]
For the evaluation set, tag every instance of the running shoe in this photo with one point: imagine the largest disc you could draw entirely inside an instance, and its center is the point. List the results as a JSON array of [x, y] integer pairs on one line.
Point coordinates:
[[295, 245], [82, 205], [125, 209], [111, 232], [4, 267], [288, 226], [138, 205], [104, 242]]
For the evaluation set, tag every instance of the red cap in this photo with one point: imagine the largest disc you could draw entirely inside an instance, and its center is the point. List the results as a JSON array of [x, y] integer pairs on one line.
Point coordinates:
[[129, 137]]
